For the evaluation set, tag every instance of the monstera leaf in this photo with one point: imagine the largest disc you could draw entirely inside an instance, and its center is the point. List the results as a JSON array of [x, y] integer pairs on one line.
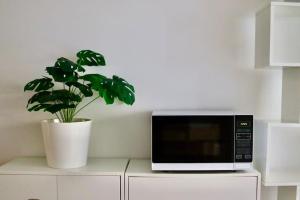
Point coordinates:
[[123, 90], [96, 80], [68, 66], [85, 90], [52, 108], [60, 75], [37, 98], [38, 107], [108, 96], [53, 101], [57, 107], [64, 96], [39, 84], [109, 89], [102, 85], [90, 58], [54, 96], [93, 78]]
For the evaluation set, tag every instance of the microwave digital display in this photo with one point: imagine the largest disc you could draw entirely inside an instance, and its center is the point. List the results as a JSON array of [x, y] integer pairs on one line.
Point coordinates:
[[244, 124]]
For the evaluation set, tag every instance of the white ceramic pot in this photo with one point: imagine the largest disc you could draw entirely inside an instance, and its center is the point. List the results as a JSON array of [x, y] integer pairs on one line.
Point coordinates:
[[66, 144]]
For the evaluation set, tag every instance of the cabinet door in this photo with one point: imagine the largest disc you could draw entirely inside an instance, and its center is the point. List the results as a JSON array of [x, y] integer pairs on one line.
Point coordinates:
[[89, 187], [27, 187], [206, 188]]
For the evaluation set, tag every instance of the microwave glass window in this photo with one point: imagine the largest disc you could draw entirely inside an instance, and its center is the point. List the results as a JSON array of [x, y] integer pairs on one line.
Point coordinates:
[[192, 139]]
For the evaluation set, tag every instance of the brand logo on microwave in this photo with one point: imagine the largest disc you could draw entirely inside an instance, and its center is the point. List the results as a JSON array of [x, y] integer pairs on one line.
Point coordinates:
[[244, 124]]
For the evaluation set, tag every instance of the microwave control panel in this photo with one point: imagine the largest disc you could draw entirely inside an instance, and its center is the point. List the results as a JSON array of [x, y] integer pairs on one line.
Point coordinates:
[[243, 138]]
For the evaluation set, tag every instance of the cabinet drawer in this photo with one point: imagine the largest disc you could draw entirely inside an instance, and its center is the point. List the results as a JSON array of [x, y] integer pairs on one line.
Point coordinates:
[[208, 188], [89, 187], [25, 187]]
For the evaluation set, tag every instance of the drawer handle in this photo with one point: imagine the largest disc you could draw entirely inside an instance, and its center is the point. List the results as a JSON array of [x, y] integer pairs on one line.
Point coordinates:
[[33, 199]]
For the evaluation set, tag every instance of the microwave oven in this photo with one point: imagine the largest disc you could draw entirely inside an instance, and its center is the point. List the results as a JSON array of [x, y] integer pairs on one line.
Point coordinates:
[[201, 141]]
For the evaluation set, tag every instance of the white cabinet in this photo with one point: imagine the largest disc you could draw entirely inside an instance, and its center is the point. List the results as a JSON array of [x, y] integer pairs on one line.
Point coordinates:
[[277, 41], [30, 178], [27, 187], [142, 183]]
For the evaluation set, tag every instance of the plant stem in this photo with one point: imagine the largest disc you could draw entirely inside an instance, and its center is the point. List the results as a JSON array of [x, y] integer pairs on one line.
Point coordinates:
[[85, 105], [62, 116], [66, 114], [69, 114], [58, 117], [73, 111]]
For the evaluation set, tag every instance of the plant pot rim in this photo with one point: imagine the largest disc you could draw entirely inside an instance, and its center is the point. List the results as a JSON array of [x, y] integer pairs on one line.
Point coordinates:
[[76, 120]]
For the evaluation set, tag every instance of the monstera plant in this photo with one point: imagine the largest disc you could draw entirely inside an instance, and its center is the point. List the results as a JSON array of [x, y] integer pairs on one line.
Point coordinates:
[[61, 93], [63, 90]]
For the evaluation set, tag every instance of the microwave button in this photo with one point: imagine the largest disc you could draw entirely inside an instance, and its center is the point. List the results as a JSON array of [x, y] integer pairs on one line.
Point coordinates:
[[238, 156], [243, 136], [244, 151], [248, 157], [243, 144]]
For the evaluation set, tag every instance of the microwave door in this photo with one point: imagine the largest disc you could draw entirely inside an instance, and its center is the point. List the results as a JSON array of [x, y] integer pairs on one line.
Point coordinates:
[[193, 139]]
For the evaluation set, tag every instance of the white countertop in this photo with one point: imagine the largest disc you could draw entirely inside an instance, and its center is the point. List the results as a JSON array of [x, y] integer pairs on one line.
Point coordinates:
[[38, 166], [142, 167]]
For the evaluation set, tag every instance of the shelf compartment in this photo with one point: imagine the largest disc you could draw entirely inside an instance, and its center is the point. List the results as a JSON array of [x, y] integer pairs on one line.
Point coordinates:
[[276, 152], [277, 35]]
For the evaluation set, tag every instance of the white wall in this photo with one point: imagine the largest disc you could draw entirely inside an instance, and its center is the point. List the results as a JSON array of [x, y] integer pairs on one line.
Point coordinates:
[[290, 111], [178, 54]]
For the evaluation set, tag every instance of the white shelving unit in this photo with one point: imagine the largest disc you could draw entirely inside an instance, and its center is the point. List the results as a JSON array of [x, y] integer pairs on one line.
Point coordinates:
[[276, 153], [277, 35]]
